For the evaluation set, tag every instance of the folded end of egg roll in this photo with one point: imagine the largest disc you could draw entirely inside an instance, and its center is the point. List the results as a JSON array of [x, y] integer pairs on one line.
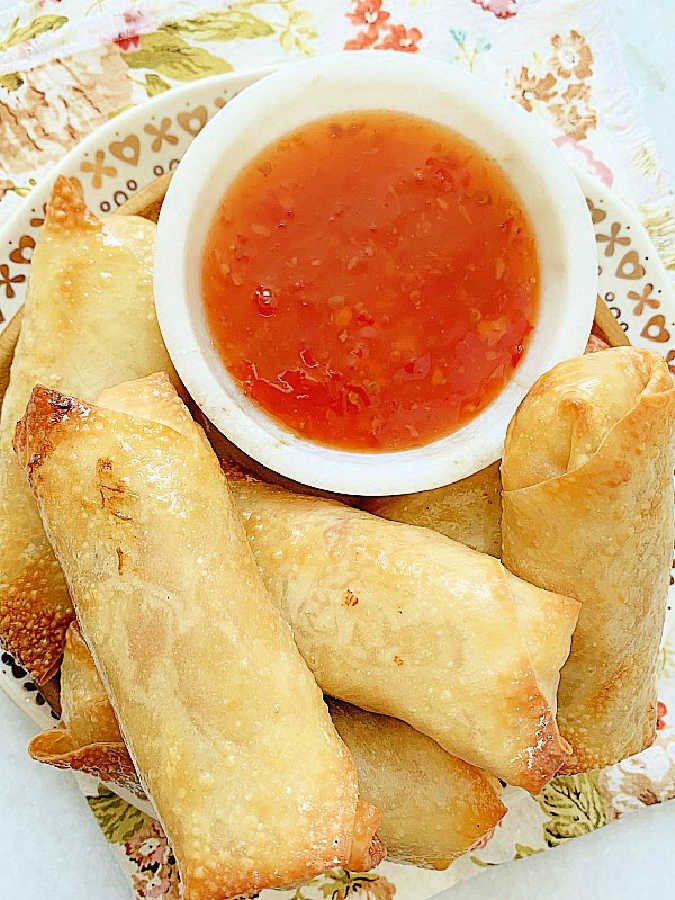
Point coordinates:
[[66, 207]]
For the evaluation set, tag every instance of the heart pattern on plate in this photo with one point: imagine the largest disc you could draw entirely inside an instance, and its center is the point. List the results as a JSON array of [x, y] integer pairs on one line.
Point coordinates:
[[127, 150]]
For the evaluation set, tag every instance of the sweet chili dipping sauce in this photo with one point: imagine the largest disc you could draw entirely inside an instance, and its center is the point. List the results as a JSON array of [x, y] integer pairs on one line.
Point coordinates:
[[370, 280]]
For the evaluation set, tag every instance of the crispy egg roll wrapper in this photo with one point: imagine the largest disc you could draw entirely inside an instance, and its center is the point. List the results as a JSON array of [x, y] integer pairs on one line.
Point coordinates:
[[436, 634], [89, 322], [433, 806], [588, 511], [213, 699]]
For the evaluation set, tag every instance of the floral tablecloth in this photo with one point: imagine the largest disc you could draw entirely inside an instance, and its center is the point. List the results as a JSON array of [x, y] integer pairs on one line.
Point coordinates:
[[67, 66]]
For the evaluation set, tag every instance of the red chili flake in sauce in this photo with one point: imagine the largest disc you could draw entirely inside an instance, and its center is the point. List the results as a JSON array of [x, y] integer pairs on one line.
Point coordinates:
[[371, 281]]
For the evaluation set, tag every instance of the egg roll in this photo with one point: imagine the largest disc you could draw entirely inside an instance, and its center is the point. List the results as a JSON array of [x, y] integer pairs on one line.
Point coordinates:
[[89, 322], [402, 621], [588, 512], [433, 806], [468, 511], [216, 706]]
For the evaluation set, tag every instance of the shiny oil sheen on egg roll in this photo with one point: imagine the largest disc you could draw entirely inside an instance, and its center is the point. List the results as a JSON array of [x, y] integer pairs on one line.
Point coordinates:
[[436, 634], [89, 322], [213, 699], [588, 511], [433, 806]]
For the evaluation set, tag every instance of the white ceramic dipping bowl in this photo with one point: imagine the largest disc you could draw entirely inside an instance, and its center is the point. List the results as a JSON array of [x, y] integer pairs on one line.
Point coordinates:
[[372, 80]]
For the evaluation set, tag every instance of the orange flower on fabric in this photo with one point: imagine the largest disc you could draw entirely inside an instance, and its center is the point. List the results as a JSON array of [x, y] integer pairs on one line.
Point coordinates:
[[661, 710], [502, 9], [401, 38], [368, 12], [572, 55], [363, 40], [530, 87], [391, 36]]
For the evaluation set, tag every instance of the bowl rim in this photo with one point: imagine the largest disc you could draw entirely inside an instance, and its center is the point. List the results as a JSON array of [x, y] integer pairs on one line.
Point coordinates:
[[178, 294]]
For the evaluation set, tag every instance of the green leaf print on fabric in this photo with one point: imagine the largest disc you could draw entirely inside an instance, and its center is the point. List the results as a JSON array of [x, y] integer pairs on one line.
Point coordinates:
[[20, 33], [298, 32], [118, 820], [340, 883], [222, 25], [298, 895], [167, 53], [574, 805], [11, 82], [479, 862], [155, 85], [522, 850]]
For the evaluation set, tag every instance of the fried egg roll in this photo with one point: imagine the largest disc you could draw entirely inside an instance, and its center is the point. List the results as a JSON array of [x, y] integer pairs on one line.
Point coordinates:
[[588, 512], [89, 322], [433, 806], [228, 731], [436, 634]]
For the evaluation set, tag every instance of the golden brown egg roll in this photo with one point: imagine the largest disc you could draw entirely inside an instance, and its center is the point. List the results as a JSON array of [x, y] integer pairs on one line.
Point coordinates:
[[469, 511], [88, 322], [588, 511], [216, 706], [436, 634], [433, 806]]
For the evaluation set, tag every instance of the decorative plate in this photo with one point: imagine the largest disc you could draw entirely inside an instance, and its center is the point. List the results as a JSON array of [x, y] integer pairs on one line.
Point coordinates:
[[114, 163]]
